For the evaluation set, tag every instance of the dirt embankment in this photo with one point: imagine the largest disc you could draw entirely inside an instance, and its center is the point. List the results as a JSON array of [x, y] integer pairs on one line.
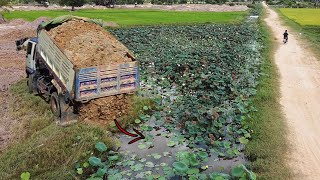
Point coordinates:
[[12, 68], [87, 44]]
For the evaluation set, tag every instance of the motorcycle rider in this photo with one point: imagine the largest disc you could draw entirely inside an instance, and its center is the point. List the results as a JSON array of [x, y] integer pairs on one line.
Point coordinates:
[[285, 36]]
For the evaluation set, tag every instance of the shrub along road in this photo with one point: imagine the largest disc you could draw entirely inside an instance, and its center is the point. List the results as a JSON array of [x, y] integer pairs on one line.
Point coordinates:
[[300, 100]]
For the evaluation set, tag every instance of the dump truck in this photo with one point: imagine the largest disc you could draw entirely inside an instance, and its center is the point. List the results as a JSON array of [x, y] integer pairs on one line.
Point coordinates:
[[52, 74]]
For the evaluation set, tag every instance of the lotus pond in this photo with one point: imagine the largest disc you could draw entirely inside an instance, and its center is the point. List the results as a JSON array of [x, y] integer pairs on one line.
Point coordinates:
[[201, 79]]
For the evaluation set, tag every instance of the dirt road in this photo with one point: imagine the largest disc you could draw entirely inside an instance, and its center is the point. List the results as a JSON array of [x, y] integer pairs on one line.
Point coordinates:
[[300, 99], [12, 69]]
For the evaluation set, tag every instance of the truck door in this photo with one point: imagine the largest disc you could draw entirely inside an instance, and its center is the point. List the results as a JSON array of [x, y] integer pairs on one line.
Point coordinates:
[[30, 57]]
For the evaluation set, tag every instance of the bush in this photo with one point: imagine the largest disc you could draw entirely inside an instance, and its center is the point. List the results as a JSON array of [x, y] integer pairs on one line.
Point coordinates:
[[215, 1], [251, 6], [3, 2]]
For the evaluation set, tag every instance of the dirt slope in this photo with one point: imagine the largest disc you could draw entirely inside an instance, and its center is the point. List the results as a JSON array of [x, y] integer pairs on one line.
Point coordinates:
[[300, 98]]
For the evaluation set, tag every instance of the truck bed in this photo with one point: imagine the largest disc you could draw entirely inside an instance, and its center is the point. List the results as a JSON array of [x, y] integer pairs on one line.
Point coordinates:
[[87, 83], [56, 61]]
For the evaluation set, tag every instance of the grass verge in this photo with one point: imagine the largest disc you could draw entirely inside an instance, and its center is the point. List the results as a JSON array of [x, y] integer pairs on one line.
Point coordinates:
[[309, 33], [267, 149], [49, 151], [42, 148], [125, 17]]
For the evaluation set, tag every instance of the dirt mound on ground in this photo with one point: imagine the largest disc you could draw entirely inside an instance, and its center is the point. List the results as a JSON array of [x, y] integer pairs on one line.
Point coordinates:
[[105, 110], [17, 22], [35, 23], [88, 44]]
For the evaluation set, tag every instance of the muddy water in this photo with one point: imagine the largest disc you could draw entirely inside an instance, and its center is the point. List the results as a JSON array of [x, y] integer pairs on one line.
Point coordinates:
[[168, 154]]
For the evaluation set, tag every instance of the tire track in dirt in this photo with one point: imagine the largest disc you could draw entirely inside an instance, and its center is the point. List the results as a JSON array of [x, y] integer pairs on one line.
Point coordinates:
[[300, 100]]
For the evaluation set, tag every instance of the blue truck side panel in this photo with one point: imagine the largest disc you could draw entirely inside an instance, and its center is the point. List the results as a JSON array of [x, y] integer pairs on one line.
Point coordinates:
[[100, 81]]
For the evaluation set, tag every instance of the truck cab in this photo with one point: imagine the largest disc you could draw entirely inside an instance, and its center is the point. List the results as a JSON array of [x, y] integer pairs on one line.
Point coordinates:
[[30, 57]]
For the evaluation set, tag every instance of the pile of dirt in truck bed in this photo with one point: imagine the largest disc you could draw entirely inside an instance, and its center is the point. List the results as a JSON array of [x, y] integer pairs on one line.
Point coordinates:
[[105, 110], [88, 44]]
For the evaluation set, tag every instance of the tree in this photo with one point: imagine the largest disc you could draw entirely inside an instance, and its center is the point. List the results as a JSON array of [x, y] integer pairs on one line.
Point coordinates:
[[3, 3], [73, 3], [107, 3], [316, 3]]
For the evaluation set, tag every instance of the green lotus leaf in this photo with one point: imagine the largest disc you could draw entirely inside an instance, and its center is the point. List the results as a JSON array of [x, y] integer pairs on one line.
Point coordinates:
[[237, 171], [94, 161], [180, 167], [100, 146], [202, 154]]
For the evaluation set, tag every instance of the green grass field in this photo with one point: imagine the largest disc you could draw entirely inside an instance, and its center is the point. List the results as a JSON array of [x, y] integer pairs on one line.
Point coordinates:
[[303, 16], [138, 17]]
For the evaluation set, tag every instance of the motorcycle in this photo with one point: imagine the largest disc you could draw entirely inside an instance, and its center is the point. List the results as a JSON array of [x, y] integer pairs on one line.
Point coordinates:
[[285, 40]]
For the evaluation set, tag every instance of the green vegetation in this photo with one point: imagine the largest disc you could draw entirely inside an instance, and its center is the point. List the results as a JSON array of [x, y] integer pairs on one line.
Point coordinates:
[[294, 3], [107, 163], [72, 3], [306, 22], [3, 2], [125, 17], [187, 65], [206, 76], [268, 146], [303, 16], [39, 149], [43, 149]]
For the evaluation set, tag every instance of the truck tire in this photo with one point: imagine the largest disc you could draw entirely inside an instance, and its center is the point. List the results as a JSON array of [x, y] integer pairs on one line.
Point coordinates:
[[30, 84], [55, 105]]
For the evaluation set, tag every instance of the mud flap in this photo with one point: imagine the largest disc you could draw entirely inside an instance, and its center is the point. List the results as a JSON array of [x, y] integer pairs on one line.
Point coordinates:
[[67, 113], [32, 86]]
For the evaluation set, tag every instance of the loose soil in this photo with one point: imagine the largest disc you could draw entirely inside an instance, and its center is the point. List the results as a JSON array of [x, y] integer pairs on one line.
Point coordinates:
[[105, 110], [88, 44], [300, 100]]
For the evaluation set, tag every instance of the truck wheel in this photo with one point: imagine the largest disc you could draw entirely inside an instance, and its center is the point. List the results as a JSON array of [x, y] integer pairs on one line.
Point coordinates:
[[30, 84], [55, 104]]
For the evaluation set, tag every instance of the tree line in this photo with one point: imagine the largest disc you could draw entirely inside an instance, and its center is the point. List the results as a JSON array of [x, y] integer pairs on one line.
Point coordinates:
[[110, 3], [106, 2]]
